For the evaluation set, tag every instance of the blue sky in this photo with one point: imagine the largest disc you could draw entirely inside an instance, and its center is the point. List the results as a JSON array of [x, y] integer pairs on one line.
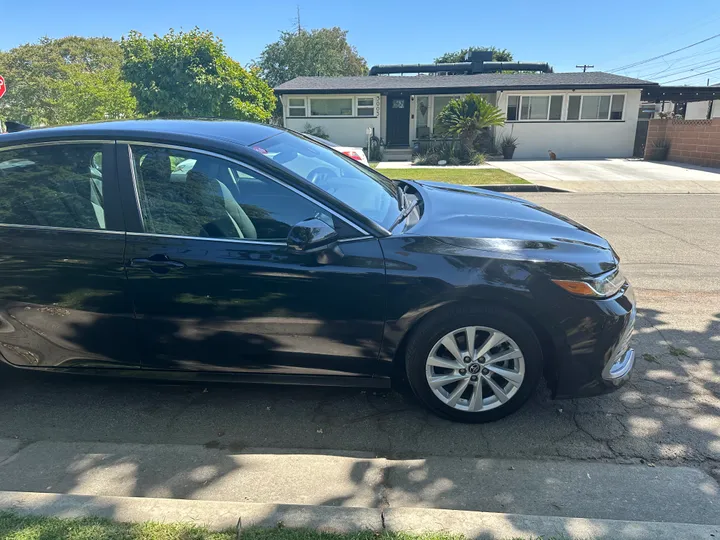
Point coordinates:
[[608, 34]]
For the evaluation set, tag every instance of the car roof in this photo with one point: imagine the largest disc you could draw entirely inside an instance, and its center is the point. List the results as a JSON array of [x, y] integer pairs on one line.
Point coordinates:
[[238, 133]]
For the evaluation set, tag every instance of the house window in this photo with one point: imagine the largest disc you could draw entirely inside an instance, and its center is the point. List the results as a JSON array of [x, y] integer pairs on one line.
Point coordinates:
[[617, 106], [596, 107], [422, 131], [296, 107], [439, 103], [366, 106], [512, 108], [528, 108], [331, 106]]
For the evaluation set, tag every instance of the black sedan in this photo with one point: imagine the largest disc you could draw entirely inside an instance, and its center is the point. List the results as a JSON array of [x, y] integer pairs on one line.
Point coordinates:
[[218, 250]]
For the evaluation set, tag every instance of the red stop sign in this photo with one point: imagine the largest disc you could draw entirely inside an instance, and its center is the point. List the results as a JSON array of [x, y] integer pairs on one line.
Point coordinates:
[[2, 86]]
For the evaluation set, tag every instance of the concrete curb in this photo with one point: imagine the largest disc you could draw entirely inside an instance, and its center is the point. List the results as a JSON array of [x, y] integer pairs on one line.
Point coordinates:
[[219, 515], [522, 188], [492, 526]]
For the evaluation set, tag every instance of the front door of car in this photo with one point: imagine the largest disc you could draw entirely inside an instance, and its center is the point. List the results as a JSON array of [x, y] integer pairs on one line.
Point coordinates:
[[63, 291], [216, 287]]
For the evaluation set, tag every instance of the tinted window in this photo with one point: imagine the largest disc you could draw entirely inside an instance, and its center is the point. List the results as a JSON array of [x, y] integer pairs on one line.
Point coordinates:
[[191, 194], [53, 186]]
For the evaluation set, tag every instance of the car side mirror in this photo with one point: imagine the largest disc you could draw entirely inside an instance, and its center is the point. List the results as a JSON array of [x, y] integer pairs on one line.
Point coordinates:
[[311, 236]]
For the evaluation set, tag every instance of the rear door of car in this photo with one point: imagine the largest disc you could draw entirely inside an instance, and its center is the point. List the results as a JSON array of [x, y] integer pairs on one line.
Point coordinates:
[[63, 295], [215, 286]]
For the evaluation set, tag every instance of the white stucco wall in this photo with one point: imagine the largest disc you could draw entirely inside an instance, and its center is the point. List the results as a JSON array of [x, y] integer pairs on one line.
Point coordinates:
[[574, 139], [343, 130]]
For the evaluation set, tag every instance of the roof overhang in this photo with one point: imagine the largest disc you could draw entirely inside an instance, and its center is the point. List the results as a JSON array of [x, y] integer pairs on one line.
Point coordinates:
[[681, 93], [457, 89]]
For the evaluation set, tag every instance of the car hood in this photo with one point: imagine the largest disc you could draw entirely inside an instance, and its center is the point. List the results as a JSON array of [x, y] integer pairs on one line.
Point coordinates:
[[507, 225]]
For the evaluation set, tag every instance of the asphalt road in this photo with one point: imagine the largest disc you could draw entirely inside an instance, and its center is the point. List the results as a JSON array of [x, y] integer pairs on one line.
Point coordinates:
[[669, 413]]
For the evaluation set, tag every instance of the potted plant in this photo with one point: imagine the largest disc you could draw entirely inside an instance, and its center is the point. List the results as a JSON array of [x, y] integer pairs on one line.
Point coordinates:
[[508, 144], [659, 150]]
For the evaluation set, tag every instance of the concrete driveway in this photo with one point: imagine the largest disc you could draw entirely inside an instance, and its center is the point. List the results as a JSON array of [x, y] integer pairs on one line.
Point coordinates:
[[615, 175]]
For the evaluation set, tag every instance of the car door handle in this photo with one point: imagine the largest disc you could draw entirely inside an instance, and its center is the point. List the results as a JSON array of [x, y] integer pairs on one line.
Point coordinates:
[[156, 261]]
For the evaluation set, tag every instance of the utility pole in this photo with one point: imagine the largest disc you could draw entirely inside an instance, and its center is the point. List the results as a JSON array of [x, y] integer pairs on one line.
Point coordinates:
[[584, 67], [299, 27]]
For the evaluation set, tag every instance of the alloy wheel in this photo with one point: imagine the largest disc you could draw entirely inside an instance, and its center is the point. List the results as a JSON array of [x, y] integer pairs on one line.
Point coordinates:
[[475, 369]]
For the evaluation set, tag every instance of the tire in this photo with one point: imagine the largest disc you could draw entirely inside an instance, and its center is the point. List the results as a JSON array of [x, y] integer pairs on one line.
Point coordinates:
[[490, 396]]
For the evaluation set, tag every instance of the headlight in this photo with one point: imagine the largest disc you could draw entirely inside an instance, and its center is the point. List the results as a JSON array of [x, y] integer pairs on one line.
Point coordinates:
[[597, 287]]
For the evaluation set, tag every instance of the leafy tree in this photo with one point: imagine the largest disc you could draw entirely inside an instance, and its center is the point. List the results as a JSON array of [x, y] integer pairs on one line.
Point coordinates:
[[321, 52], [71, 79], [86, 96], [499, 55], [467, 117], [188, 74]]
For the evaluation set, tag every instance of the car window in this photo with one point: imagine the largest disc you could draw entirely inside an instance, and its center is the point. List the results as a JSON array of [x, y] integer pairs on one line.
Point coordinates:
[[191, 194], [53, 186], [361, 188]]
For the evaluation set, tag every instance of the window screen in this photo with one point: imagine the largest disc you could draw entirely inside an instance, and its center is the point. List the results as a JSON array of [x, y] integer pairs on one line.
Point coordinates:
[[512, 108], [296, 107], [616, 109], [573, 108], [556, 103], [534, 107], [366, 106], [331, 107]]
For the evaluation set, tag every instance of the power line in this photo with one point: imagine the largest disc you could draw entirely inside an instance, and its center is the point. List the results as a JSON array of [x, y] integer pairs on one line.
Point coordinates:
[[691, 76], [689, 68], [584, 67], [675, 63], [624, 68], [676, 68]]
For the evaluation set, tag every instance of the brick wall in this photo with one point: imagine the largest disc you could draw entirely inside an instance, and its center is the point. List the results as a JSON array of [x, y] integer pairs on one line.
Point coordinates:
[[691, 141]]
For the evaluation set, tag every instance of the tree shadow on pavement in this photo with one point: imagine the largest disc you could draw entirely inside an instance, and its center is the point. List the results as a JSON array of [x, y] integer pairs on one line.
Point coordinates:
[[219, 437]]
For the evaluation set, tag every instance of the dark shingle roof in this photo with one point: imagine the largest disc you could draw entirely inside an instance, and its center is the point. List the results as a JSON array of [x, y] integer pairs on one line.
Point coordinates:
[[485, 81]]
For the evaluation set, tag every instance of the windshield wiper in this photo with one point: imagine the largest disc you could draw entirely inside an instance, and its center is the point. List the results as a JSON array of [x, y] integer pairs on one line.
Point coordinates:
[[401, 195], [403, 214]]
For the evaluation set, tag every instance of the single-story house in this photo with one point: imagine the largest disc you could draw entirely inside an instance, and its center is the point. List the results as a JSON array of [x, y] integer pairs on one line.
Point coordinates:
[[576, 115]]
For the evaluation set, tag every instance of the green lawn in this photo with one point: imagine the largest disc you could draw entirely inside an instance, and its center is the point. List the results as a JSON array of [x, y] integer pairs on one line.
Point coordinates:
[[15, 527], [468, 177]]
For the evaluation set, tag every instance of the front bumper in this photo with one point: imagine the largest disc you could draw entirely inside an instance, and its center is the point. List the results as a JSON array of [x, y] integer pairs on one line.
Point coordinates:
[[596, 356]]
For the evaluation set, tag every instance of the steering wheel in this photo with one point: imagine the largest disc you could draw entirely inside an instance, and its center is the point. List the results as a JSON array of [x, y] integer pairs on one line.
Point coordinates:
[[321, 175]]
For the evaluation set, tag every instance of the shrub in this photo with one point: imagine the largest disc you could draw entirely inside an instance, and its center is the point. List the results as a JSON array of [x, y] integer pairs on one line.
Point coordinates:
[[467, 117], [317, 131], [477, 159], [451, 151], [426, 158]]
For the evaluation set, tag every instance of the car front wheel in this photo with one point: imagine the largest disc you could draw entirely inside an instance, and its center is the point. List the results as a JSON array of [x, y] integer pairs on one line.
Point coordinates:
[[473, 365]]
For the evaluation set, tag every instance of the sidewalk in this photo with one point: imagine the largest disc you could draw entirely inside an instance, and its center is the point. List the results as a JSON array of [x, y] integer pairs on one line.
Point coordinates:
[[240, 516], [566, 490]]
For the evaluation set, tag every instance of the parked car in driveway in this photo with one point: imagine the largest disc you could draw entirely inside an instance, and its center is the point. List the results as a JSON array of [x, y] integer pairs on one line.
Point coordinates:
[[213, 250], [354, 152]]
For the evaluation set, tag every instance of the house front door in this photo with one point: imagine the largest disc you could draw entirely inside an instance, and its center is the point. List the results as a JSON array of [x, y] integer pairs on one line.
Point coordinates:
[[398, 120]]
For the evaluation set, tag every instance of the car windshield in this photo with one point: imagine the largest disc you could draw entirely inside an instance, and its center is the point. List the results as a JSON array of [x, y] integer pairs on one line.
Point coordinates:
[[360, 188]]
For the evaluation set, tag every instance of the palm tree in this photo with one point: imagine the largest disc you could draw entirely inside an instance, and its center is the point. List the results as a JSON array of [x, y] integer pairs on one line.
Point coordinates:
[[467, 117]]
